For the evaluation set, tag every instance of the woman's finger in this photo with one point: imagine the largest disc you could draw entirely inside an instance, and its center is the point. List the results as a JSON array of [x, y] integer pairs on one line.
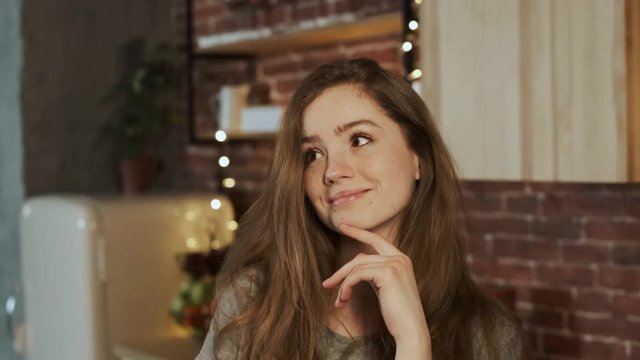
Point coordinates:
[[358, 260], [375, 274], [369, 238]]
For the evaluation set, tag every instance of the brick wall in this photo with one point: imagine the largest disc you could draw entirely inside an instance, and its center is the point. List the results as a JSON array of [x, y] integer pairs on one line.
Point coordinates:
[[568, 255], [571, 254], [282, 72], [215, 16]]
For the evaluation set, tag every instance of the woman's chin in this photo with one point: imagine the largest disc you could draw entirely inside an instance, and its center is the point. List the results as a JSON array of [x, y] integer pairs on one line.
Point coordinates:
[[349, 220]]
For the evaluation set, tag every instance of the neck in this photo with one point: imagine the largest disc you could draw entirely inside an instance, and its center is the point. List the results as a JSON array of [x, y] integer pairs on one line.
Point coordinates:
[[361, 315]]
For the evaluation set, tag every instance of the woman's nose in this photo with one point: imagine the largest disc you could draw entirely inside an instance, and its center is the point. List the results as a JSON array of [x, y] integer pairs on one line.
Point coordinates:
[[338, 167]]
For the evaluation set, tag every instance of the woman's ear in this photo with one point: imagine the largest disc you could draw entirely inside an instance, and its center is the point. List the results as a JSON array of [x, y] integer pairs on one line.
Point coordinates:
[[416, 162]]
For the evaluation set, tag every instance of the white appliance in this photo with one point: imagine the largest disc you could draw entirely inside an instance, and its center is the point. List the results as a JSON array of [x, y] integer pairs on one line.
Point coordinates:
[[99, 273]]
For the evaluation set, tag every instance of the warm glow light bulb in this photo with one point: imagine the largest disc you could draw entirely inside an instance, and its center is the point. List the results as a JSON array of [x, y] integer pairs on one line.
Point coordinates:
[[215, 204], [413, 25], [221, 135], [407, 46], [232, 225], [223, 161], [228, 183], [191, 243], [415, 75]]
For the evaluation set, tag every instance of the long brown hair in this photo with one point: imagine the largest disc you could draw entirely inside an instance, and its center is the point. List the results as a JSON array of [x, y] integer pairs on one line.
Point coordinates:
[[281, 236]]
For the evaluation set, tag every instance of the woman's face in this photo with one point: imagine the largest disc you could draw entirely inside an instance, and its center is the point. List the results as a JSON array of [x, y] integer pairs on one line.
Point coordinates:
[[359, 169]]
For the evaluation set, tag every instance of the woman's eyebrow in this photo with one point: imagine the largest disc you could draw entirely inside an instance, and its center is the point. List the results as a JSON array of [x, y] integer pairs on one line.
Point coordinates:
[[309, 139], [340, 129]]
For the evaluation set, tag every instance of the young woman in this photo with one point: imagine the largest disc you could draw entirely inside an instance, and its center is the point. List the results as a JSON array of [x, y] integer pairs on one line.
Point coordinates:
[[354, 249]]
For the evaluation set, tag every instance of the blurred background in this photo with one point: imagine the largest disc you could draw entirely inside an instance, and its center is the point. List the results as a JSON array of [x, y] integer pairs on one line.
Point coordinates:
[[149, 125]]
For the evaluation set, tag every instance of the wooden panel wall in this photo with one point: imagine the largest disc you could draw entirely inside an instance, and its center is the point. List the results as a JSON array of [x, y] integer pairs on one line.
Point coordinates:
[[633, 85], [529, 89]]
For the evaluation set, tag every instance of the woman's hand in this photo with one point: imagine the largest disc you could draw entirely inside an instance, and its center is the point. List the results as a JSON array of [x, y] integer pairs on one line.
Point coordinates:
[[390, 273]]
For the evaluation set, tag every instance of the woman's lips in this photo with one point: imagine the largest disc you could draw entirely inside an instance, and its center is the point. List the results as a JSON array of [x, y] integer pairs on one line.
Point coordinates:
[[347, 196]]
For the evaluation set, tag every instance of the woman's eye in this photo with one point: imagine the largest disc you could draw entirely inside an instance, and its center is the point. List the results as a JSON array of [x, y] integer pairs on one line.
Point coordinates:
[[360, 140], [311, 155]]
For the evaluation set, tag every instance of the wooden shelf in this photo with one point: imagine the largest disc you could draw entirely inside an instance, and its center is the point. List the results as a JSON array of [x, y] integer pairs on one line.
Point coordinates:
[[307, 34]]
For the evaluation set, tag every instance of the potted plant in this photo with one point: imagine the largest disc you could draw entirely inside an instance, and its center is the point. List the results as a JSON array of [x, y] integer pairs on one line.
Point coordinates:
[[144, 98]]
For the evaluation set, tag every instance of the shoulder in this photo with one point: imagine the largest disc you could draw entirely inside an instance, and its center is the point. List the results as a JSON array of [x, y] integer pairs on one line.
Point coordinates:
[[233, 299], [244, 287], [507, 337]]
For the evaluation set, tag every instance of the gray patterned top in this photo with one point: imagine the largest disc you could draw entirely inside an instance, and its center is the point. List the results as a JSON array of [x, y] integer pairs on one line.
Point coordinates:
[[337, 347]]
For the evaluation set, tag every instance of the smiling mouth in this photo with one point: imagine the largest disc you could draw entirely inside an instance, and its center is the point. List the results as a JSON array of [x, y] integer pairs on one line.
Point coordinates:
[[348, 197]]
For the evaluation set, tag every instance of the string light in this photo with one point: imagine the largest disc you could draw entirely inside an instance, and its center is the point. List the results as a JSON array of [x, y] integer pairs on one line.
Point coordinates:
[[415, 75], [408, 35], [215, 204], [223, 161], [221, 135], [228, 183], [232, 225]]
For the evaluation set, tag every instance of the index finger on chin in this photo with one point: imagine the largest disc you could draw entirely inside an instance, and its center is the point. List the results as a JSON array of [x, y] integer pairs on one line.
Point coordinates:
[[369, 238]]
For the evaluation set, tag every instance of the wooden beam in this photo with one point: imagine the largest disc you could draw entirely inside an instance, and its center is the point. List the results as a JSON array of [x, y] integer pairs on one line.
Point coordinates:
[[632, 11]]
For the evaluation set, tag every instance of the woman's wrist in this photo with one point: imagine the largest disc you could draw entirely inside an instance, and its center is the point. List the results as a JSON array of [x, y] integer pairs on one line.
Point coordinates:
[[414, 350], [414, 347]]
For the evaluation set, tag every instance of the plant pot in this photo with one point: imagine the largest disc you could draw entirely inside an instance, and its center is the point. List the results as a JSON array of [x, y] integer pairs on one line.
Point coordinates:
[[137, 174]]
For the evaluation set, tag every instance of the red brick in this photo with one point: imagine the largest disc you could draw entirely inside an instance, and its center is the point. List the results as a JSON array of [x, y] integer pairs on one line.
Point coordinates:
[[493, 186], [281, 67], [392, 55], [565, 275], [504, 295], [342, 6], [287, 86], [224, 25], [482, 203], [543, 318], [635, 352], [564, 227], [631, 205], [618, 327], [522, 204], [591, 301], [277, 15], [305, 12], [582, 349], [478, 246], [318, 56], [514, 273], [585, 253], [582, 204], [626, 305], [619, 277], [543, 296], [565, 187], [561, 345], [612, 230], [626, 254], [504, 246], [495, 225]]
